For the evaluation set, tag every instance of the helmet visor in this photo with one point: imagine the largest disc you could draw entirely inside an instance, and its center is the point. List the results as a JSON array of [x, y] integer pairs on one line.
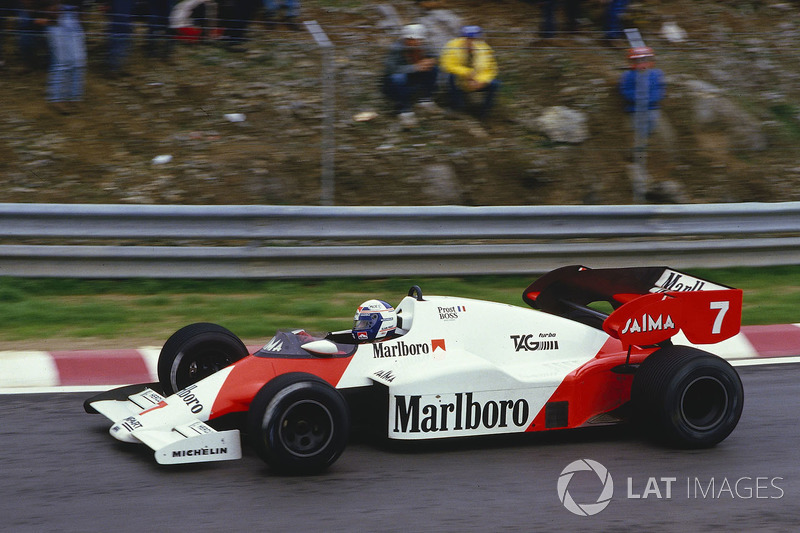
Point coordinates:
[[363, 322]]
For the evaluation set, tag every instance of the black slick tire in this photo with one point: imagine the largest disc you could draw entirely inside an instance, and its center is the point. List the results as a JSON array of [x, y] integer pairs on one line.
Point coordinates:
[[687, 398], [194, 352], [298, 424]]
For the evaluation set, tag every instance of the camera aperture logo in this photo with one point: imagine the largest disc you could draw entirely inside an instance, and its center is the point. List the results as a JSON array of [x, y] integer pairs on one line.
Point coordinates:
[[585, 509], [581, 499]]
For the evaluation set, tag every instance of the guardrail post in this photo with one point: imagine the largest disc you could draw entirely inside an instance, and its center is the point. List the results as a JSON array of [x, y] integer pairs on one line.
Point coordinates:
[[329, 111]]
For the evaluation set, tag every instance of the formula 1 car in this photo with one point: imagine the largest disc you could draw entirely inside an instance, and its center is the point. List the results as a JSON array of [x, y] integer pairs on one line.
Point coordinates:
[[594, 348]]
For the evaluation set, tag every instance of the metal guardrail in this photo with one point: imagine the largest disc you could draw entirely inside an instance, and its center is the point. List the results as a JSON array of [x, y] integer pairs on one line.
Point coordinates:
[[113, 241]]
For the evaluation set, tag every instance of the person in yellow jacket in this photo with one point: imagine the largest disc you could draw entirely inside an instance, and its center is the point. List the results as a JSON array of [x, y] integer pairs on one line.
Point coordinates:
[[471, 67]]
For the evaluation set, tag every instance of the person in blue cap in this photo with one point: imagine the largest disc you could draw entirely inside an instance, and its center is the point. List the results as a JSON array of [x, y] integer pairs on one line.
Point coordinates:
[[471, 67], [645, 113]]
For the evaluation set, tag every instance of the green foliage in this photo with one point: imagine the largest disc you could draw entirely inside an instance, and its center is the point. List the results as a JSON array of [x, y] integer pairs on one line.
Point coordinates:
[[787, 115]]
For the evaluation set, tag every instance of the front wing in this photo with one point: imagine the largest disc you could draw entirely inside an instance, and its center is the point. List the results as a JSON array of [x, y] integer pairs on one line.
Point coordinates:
[[176, 440]]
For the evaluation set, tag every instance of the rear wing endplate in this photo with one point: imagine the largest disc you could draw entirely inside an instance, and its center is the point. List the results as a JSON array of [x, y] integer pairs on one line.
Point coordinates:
[[650, 304], [705, 317]]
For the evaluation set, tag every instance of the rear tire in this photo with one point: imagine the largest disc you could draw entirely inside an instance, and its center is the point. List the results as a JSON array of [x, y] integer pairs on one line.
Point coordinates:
[[298, 424], [686, 397], [194, 352]]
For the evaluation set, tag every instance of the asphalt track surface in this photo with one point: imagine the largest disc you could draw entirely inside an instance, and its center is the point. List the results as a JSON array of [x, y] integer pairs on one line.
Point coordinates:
[[61, 471]]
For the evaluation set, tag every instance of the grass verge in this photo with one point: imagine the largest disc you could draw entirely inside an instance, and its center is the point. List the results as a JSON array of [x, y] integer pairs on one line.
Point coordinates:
[[142, 309]]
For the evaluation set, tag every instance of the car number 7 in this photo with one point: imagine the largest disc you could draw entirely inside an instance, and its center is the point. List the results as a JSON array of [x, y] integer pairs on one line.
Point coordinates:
[[722, 307]]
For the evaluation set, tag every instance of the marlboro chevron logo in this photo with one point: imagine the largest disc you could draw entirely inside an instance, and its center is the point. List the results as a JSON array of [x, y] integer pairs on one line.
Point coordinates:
[[405, 349]]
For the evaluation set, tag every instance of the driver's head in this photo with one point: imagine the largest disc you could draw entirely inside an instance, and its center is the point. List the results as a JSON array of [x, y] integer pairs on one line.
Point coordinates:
[[374, 320]]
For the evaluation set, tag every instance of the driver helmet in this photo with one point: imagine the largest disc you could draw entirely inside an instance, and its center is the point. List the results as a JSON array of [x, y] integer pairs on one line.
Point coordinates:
[[374, 320]]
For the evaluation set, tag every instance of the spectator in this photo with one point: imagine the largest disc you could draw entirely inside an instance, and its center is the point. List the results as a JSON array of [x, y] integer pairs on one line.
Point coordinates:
[[6, 10], [159, 36], [572, 9], [190, 19], [410, 71], [66, 77], [642, 86], [613, 18], [291, 7], [31, 27], [471, 66], [236, 16], [120, 27]]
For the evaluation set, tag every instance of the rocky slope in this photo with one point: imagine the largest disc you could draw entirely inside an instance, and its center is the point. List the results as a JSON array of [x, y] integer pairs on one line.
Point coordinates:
[[559, 135]]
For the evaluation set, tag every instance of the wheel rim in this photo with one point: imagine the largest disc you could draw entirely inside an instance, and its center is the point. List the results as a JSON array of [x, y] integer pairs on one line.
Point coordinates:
[[191, 368], [704, 403], [306, 428]]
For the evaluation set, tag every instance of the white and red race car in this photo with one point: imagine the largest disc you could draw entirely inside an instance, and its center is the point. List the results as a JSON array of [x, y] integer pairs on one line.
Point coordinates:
[[594, 348]]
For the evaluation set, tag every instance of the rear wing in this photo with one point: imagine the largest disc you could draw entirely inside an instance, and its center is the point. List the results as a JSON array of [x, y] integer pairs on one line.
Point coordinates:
[[649, 304]]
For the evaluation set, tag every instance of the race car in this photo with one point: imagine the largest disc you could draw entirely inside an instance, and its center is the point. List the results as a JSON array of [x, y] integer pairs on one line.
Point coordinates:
[[594, 347]]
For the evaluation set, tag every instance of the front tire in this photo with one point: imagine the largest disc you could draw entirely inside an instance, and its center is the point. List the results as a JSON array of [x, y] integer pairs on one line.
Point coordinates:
[[194, 352], [686, 397], [298, 424]]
